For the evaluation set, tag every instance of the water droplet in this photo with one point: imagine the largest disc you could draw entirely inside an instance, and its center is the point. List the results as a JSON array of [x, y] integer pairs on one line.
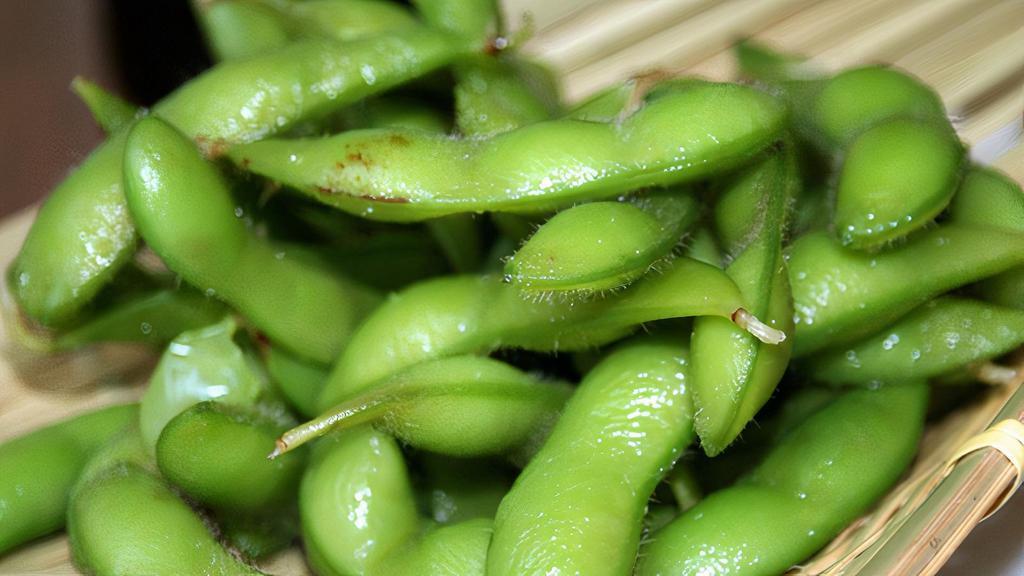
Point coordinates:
[[146, 328]]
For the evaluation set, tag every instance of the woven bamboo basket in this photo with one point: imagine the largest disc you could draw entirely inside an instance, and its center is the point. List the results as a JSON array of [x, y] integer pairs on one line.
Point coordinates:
[[971, 51]]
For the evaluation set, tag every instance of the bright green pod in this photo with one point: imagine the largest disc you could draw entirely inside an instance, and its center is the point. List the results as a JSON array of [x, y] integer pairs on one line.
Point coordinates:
[[81, 236], [216, 454], [405, 175], [475, 20], [241, 28], [464, 314], [495, 95], [253, 98], [989, 198], [759, 62], [939, 337], [703, 247], [152, 318], [237, 29], [459, 406], [298, 380], [856, 99], [40, 468], [110, 112], [456, 549], [895, 178], [733, 372], [184, 210], [578, 506], [155, 318], [199, 365], [236, 101], [123, 519], [356, 502], [841, 295], [602, 245], [819, 478]]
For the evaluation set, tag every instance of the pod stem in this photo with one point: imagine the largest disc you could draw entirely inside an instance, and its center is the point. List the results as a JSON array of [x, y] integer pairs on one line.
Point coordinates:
[[757, 328], [345, 415]]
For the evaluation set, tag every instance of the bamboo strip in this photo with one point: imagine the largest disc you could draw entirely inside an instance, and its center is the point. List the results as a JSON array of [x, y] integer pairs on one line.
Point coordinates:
[[542, 14], [607, 28], [971, 77], [915, 23], [682, 45], [1013, 163]]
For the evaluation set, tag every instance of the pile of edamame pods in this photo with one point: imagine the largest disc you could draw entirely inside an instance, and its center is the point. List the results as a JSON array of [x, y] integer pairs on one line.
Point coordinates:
[[682, 327]]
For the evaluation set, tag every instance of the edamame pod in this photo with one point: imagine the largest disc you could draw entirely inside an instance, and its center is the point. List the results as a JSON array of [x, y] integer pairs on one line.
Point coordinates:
[[356, 502], [110, 112], [40, 468], [733, 372], [215, 453], [495, 95], [86, 215], [456, 549], [853, 100], [87, 218], [298, 380], [237, 29], [124, 520], [578, 506], [939, 337], [184, 210], [602, 245], [840, 295], [404, 175], [989, 198], [895, 178], [460, 406], [460, 315], [821, 476], [199, 365]]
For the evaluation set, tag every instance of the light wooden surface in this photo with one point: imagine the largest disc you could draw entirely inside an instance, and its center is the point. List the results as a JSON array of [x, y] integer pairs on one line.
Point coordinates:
[[971, 50]]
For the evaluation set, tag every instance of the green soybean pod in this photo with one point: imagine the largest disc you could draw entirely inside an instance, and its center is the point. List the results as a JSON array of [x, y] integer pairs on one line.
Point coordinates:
[[460, 315], [940, 336], [450, 406], [41, 467], [199, 365], [184, 210], [895, 178], [110, 112], [578, 506], [475, 20], [241, 28], [298, 380], [840, 295], [236, 101], [819, 477], [356, 502], [989, 198], [853, 100], [155, 318], [215, 453], [703, 247], [494, 95], [123, 519], [602, 245], [456, 549], [87, 218], [733, 372], [403, 175]]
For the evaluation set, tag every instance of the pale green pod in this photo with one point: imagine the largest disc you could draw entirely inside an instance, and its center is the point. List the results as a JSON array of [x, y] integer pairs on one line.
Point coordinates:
[[895, 178], [602, 245]]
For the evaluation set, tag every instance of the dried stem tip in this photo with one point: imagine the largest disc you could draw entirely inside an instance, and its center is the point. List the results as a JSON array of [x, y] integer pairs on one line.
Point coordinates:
[[760, 330]]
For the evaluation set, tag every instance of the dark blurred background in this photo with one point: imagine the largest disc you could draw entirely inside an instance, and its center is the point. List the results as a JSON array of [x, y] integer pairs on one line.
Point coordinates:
[[138, 49]]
